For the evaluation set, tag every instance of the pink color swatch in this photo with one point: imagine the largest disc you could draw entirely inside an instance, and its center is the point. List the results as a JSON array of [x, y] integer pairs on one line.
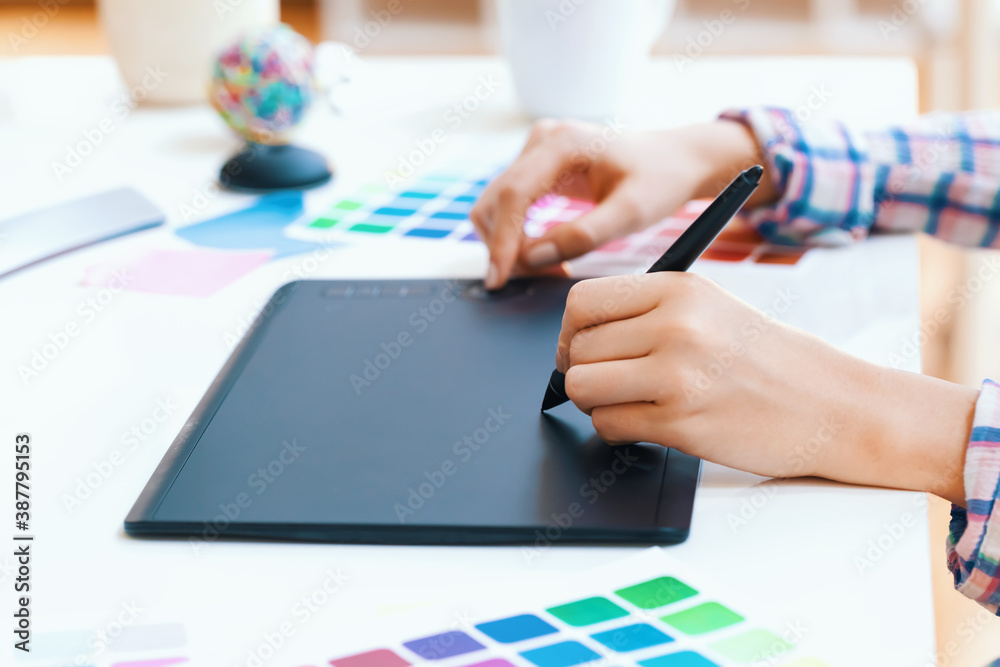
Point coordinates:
[[378, 658], [199, 272], [158, 662]]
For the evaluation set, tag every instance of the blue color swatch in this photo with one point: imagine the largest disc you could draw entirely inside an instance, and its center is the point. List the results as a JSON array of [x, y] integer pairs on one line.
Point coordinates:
[[564, 654], [399, 212], [516, 628], [445, 215], [682, 659], [257, 227], [632, 637], [428, 233]]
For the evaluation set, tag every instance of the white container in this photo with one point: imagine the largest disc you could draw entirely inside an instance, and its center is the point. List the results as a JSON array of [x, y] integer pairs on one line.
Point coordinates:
[[577, 58], [164, 48]]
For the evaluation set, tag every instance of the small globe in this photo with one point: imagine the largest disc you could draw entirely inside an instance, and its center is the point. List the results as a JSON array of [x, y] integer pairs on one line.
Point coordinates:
[[263, 84]]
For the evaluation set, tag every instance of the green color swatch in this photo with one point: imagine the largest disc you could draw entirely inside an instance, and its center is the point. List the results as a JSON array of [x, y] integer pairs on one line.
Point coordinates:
[[587, 612], [371, 229], [324, 223], [753, 646], [702, 618], [656, 592], [347, 205]]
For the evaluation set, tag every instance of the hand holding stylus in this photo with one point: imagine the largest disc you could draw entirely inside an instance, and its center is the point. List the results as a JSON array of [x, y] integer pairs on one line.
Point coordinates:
[[683, 252], [635, 180], [673, 359]]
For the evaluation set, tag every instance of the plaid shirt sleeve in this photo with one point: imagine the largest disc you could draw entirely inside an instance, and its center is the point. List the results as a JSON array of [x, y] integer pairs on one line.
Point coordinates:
[[974, 539], [939, 174]]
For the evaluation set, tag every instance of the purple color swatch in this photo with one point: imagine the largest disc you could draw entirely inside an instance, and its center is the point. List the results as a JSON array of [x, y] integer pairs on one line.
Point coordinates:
[[444, 645]]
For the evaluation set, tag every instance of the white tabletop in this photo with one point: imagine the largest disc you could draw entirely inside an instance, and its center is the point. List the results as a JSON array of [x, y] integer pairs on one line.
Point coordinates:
[[801, 550]]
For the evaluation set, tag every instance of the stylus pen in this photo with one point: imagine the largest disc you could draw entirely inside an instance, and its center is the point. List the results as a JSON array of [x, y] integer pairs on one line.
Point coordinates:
[[684, 251]]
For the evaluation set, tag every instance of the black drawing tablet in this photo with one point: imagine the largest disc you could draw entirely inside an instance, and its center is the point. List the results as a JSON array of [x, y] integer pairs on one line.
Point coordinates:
[[407, 412]]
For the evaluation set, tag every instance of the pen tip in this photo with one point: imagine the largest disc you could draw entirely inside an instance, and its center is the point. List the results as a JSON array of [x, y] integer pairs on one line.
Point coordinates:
[[754, 173], [555, 392]]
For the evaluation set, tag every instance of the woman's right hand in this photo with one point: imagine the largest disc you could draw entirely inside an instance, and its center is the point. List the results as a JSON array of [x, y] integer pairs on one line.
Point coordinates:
[[635, 180], [671, 358]]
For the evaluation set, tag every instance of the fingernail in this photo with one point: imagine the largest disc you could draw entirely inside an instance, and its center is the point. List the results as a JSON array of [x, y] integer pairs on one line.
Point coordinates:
[[492, 277], [542, 254]]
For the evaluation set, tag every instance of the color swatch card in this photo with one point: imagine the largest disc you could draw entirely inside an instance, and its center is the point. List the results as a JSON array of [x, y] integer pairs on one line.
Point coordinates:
[[648, 610], [110, 644], [737, 244], [437, 206]]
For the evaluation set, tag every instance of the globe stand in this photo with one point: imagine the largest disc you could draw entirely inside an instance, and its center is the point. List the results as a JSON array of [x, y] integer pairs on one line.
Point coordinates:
[[263, 168]]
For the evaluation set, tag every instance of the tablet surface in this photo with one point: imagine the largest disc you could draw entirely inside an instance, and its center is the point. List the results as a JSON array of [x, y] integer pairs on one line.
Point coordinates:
[[407, 412]]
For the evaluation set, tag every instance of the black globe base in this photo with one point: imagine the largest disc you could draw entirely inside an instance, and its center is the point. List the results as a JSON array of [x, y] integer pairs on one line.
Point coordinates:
[[263, 168]]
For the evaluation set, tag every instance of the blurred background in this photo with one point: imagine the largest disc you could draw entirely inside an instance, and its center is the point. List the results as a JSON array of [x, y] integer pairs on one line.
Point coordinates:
[[952, 42]]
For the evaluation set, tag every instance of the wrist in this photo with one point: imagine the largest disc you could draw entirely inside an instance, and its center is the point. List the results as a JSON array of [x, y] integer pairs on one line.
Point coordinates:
[[721, 150], [914, 433], [932, 423]]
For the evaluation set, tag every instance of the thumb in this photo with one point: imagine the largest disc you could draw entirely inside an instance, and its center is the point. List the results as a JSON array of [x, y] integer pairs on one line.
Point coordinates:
[[616, 216]]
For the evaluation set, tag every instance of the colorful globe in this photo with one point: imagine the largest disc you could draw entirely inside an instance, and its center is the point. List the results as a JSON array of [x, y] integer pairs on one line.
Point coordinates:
[[263, 84]]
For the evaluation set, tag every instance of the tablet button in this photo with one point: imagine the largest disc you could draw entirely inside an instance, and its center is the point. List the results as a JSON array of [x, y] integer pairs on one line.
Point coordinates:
[[418, 289], [368, 291], [341, 291], [394, 290], [475, 292]]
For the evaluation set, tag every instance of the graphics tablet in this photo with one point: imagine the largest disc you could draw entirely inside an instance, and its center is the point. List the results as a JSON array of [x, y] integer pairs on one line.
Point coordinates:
[[405, 412]]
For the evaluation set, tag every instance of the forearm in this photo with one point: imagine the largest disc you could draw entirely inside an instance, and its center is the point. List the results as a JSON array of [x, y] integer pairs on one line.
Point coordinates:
[[901, 430]]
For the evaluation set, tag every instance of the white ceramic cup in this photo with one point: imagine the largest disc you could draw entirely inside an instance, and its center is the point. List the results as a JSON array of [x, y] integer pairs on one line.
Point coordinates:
[[577, 58], [165, 48]]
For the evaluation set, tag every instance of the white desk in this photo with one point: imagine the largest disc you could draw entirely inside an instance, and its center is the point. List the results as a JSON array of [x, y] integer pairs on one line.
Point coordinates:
[[790, 548]]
